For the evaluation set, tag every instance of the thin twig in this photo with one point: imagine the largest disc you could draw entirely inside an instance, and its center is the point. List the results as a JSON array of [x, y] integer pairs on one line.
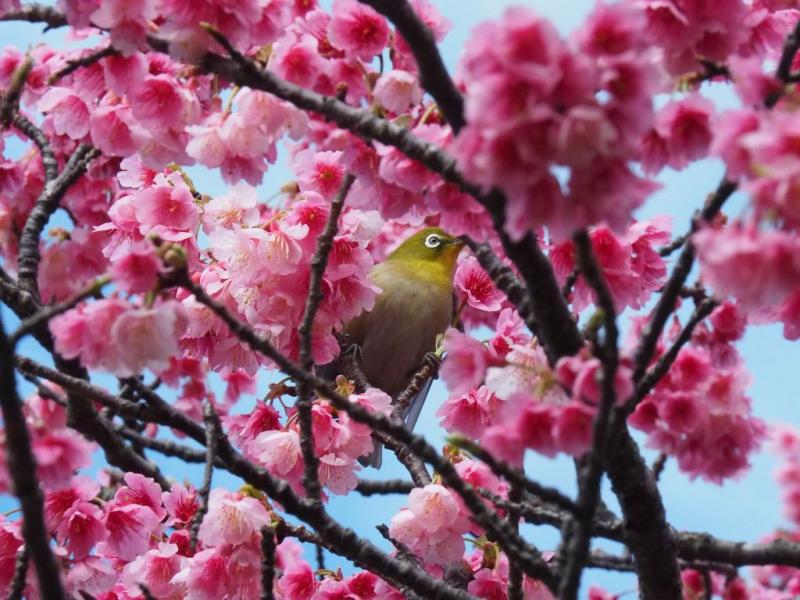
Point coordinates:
[[36, 13], [46, 205], [319, 262], [514, 476], [211, 422], [669, 296], [665, 362]]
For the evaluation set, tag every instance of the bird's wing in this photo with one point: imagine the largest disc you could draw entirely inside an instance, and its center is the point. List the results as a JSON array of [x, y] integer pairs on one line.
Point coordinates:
[[415, 408]]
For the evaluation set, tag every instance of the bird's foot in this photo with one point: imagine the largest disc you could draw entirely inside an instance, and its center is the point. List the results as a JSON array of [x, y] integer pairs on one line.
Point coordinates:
[[353, 353], [433, 361]]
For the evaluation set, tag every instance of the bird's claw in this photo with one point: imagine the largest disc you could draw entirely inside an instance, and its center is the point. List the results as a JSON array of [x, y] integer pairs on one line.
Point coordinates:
[[353, 353], [432, 360]]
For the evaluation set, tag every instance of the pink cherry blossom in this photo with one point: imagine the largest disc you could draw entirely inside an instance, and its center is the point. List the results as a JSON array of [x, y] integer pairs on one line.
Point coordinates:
[[397, 91], [232, 519], [357, 29]]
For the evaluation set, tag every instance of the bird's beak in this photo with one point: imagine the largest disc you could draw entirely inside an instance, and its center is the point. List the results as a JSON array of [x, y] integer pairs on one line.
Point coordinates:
[[458, 242]]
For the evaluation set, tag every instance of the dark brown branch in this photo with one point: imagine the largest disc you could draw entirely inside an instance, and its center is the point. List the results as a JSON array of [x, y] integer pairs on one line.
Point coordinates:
[[418, 379], [17, 586], [647, 533], [319, 262], [784, 72], [86, 60], [267, 563], [22, 470], [515, 591], [45, 206], [37, 13], [577, 541], [433, 74], [392, 486], [38, 137], [212, 435], [415, 467], [10, 98]]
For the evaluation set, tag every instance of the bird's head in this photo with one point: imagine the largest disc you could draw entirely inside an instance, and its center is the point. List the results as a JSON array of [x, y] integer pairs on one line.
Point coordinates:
[[432, 245]]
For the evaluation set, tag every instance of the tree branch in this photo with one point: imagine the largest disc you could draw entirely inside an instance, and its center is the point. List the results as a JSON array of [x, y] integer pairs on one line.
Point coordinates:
[[213, 433], [319, 262], [45, 206], [22, 469]]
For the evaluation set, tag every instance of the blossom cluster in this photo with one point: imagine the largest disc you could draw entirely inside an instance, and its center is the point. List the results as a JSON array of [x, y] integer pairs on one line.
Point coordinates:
[[699, 411]]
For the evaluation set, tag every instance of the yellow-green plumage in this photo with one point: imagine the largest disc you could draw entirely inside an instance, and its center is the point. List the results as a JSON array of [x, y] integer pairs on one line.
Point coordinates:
[[413, 308]]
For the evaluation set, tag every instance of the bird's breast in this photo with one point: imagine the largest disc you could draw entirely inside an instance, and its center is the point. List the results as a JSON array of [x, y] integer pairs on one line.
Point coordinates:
[[395, 335]]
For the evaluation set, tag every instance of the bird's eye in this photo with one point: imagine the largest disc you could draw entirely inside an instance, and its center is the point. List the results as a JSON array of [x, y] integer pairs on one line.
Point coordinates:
[[433, 241]]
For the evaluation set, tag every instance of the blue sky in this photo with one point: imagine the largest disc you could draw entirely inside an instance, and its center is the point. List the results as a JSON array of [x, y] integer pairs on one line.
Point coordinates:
[[741, 510]]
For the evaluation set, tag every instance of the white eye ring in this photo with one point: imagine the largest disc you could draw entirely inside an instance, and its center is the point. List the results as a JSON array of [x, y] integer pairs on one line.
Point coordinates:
[[433, 241]]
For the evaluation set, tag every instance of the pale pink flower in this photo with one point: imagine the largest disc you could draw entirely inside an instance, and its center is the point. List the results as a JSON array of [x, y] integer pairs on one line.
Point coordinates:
[[155, 569], [146, 338], [232, 519], [136, 268], [397, 91], [205, 575], [129, 529], [68, 110]]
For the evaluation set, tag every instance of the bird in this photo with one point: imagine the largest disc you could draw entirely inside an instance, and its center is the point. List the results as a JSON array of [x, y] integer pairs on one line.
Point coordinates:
[[415, 306]]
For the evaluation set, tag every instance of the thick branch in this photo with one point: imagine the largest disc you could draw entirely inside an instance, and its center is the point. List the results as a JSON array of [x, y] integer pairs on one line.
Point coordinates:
[[36, 13], [22, 469]]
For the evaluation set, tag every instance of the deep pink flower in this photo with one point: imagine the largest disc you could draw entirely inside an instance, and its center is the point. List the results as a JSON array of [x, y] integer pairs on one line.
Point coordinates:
[[476, 285], [68, 110], [129, 529], [321, 172], [136, 268], [357, 29], [469, 413], [115, 132]]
